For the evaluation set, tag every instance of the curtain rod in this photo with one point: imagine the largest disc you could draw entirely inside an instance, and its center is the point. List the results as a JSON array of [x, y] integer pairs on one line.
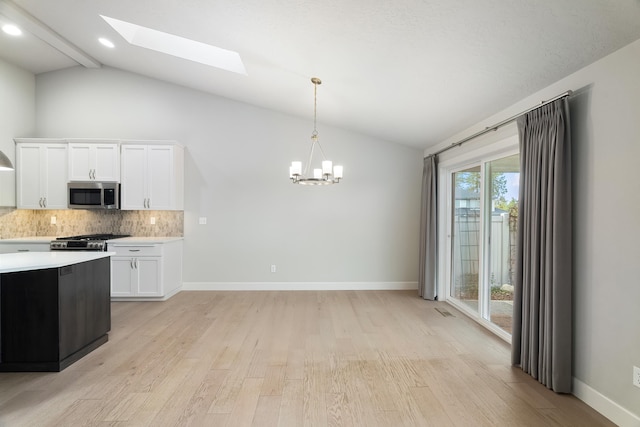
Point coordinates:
[[502, 123]]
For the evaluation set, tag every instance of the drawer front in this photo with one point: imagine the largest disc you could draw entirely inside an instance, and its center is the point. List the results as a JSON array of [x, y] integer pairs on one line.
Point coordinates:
[[6, 248], [135, 250]]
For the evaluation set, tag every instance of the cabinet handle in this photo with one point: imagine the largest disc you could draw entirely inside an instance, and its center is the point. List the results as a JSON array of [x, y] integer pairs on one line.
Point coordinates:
[[40, 202], [134, 250], [44, 202], [131, 263], [23, 250]]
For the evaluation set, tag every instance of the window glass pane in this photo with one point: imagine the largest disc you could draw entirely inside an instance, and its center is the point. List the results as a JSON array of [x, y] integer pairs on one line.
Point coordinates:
[[466, 237], [504, 176]]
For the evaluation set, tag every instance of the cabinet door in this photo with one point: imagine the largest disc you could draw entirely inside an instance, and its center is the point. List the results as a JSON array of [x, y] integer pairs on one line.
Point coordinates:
[[80, 165], [107, 163], [94, 162], [28, 169], [41, 176], [134, 177], [161, 183], [54, 177], [149, 278], [122, 277]]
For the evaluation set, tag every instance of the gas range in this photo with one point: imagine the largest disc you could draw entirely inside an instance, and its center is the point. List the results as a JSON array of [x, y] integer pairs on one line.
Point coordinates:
[[87, 242]]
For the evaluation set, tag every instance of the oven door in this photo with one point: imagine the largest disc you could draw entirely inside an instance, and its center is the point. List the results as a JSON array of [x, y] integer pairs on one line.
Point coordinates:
[[93, 195]]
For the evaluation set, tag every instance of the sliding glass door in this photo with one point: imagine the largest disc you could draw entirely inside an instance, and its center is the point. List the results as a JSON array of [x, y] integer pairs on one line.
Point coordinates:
[[483, 225]]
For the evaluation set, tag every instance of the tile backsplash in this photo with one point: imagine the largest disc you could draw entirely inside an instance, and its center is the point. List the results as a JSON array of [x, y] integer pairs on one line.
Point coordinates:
[[27, 222]]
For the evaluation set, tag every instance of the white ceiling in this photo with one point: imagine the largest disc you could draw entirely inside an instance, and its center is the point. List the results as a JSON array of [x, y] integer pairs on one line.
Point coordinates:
[[412, 72]]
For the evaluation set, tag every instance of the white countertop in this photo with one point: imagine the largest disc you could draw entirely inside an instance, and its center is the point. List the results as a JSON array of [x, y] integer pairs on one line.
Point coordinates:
[[30, 239], [25, 261], [127, 240], [142, 240]]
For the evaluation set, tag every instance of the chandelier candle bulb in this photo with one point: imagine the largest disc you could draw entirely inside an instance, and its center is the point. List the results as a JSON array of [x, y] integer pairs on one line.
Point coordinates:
[[326, 167], [337, 171], [317, 173], [296, 168]]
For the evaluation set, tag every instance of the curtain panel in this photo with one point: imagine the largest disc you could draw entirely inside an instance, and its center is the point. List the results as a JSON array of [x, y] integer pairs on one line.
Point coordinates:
[[428, 226], [542, 312]]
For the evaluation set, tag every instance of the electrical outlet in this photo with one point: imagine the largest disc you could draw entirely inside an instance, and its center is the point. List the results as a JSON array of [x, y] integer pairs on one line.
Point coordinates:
[[53, 220], [273, 268], [636, 376], [202, 220], [152, 220]]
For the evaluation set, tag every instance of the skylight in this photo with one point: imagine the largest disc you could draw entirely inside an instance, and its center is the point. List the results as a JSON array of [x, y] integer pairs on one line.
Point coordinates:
[[11, 29], [178, 46]]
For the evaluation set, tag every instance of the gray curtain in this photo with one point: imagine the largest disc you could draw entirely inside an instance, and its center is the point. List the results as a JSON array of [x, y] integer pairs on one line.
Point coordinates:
[[542, 313], [428, 227]]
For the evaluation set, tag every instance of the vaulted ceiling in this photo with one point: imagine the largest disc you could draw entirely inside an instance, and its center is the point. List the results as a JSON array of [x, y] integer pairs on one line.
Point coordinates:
[[412, 72]]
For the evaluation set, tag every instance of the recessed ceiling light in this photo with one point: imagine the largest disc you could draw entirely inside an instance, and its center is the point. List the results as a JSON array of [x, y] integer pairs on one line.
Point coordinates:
[[11, 29], [178, 46], [106, 42]]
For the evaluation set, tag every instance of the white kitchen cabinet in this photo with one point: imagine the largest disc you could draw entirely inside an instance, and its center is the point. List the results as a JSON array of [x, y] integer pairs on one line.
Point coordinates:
[[145, 271], [152, 177], [41, 175], [94, 161]]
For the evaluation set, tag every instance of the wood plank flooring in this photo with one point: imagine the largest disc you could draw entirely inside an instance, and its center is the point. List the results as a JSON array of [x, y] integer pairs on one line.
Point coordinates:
[[306, 358]]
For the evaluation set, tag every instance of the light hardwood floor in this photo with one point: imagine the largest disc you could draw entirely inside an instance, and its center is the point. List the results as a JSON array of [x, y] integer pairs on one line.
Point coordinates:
[[361, 358]]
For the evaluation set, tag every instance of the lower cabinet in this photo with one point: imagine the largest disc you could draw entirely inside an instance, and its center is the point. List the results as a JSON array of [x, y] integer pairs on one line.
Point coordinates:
[[50, 318], [146, 271]]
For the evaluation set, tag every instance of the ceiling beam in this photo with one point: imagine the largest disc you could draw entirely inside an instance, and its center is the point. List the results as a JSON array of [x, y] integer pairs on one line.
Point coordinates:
[[39, 29]]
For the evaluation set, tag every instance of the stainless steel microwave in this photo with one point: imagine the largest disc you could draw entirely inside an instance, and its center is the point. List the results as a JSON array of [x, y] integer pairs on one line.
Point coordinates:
[[93, 195]]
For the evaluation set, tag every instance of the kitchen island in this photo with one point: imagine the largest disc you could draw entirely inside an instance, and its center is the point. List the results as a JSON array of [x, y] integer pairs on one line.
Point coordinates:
[[54, 308]]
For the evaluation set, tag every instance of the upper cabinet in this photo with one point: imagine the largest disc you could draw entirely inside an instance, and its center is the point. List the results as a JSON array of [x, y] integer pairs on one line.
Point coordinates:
[[41, 175], [152, 176], [151, 173], [94, 161]]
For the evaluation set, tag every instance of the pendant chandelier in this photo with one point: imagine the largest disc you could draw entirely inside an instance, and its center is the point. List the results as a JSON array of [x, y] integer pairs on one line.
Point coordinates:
[[325, 174]]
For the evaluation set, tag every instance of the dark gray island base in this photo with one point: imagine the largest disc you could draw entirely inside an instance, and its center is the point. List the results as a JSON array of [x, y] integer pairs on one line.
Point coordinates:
[[52, 317]]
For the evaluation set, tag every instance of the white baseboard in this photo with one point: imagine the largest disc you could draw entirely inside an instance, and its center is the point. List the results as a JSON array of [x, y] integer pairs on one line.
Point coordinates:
[[298, 286], [604, 405]]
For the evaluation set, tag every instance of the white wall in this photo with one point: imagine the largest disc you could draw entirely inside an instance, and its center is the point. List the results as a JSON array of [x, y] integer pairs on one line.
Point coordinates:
[[363, 230], [17, 117], [605, 123]]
